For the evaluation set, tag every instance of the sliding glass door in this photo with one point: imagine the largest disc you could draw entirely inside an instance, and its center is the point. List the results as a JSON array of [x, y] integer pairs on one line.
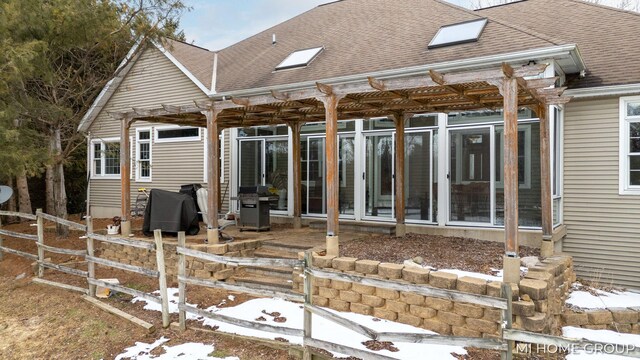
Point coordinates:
[[379, 175], [264, 162]]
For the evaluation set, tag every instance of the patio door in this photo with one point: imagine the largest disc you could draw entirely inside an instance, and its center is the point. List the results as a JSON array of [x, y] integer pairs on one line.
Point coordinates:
[[378, 176], [251, 163], [470, 175]]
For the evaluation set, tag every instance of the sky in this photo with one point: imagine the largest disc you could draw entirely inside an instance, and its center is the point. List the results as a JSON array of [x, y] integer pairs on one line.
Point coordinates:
[[216, 24]]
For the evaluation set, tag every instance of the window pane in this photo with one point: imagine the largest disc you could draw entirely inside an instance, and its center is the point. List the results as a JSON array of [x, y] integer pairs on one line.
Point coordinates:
[[482, 116], [112, 159], [634, 129], [633, 109], [263, 131], [634, 162], [144, 151], [417, 175], [319, 127], [634, 178], [634, 145], [178, 133], [145, 169], [378, 124], [97, 156], [277, 171], [144, 135], [422, 121]]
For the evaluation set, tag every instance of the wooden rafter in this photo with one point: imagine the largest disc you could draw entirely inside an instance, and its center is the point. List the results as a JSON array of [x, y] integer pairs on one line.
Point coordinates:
[[439, 79]]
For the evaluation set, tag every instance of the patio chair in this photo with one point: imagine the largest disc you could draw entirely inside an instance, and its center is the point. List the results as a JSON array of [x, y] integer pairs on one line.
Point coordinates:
[[202, 195]]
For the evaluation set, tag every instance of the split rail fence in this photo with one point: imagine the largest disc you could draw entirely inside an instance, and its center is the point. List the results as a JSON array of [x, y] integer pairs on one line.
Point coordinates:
[[505, 343]]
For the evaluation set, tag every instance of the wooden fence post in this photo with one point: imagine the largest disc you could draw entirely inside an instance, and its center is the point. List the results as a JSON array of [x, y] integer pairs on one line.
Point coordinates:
[[91, 266], [40, 224], [507, 319], [182, 316], [308, 296], [162, 277]]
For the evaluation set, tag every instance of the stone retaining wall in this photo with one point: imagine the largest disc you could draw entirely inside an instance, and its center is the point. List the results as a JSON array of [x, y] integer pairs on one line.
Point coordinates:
[[624, 320], [538, 300], [196, 268]]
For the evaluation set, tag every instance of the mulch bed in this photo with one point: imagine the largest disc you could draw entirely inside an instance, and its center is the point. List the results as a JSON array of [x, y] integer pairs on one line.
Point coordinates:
[[440, 252]]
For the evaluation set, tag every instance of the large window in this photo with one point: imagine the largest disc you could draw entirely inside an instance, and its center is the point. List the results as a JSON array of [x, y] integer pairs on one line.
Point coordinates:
[[105, 158], [177, 133], [630, 145]]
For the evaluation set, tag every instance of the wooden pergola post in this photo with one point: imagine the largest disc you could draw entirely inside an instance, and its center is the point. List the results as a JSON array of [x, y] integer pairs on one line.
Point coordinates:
[[330, 101], [546, 248], [213, 175], [511, 262], [297, 174], [125, 178], [400, 121]]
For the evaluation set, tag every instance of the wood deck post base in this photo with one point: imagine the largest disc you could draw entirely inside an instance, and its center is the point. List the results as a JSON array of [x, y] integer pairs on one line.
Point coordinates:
[[333, 245], [401, 229], [212, 236], [546, 248], [125, 228], [297, 222], [511, 269]]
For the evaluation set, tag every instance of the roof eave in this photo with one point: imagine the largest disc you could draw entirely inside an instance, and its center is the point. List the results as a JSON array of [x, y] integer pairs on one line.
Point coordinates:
[[569, 51]]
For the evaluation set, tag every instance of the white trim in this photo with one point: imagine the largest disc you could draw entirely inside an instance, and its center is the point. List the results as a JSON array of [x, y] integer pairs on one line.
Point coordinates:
[[183, 68], [625, 120], [138, 168], [611, 90], [156, 138], [102, 142], [214, 74]]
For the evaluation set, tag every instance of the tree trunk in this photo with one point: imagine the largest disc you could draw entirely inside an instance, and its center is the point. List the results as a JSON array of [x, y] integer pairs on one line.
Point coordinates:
[[59, 191], [12, 205], [49, 193], [24, 204]]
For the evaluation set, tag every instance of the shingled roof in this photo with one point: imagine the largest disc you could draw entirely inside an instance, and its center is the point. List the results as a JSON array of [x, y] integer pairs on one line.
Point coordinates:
[[607, 37], [361, 36], [197, 60]]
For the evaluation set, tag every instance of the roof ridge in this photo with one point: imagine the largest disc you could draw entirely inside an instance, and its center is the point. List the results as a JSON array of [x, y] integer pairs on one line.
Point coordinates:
[[606, 7], [186, 43], [525, 30]]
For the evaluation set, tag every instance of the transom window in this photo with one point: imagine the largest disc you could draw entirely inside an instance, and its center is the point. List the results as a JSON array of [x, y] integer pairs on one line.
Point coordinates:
[[177, 133], [630, 145], [105, 156]]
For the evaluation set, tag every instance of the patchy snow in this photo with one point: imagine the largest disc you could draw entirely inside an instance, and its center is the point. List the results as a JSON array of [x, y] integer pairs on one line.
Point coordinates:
[[605, 299], [462, 273], [605, 336], [173, 303], [141, 351], [411, 263], [324, 329], [231, 298]]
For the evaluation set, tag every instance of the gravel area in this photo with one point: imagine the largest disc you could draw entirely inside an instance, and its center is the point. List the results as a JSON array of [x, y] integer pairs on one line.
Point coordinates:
[[440, 252]]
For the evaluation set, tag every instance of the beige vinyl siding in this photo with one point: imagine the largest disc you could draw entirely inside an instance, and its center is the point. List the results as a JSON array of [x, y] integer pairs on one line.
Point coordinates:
[[153, 80], [603, 227]]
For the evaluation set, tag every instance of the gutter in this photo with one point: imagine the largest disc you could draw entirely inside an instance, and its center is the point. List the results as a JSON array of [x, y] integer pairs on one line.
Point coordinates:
[[466, 64], [612, 90]]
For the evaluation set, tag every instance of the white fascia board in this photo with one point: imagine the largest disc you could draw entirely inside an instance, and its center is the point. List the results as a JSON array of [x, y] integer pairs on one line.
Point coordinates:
[[559, 51], [612, 90], [109, 89], [183, 69]]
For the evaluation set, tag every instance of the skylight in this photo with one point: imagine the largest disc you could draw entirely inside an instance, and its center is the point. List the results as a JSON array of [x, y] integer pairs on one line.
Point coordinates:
[[460, 33], [299, 58]]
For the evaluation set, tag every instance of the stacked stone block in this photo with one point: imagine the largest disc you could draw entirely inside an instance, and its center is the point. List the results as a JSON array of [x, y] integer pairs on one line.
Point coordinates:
[[537, 301], [195, 267], [623, 320]]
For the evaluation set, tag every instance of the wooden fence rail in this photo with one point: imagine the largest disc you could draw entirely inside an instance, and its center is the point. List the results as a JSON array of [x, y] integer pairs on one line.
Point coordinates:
[[19, 235], [61, 221], [17, 214]]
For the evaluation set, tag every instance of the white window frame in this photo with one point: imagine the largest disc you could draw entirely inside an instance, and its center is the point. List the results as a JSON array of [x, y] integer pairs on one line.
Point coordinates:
[[138, 168], [527, 157], [102, 142], [181, 139], [205, 175], [624, 165]]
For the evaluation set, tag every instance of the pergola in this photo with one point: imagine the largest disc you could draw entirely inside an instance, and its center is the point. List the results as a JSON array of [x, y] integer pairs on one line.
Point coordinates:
[[398, 98]]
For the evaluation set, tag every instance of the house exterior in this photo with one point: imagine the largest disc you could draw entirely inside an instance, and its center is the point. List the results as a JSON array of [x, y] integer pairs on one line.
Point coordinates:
[[585, 170]]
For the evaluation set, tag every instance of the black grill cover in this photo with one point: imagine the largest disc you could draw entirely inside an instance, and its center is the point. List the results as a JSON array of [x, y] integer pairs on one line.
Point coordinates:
[[170, 212]]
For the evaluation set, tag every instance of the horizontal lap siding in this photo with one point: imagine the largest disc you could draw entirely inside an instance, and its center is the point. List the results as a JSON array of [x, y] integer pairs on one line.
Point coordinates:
[[153, 81], [603, 227]]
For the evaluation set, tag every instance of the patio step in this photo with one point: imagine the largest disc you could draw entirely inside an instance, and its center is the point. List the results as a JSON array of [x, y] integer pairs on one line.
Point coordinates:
[[360, 227], [270, 283], [273, 272]]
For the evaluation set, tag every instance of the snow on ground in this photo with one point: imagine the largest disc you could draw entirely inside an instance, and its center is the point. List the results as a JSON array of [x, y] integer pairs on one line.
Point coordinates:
[[605, 336], [173, 303], [322, 329], [605, 299], [141, 351]]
